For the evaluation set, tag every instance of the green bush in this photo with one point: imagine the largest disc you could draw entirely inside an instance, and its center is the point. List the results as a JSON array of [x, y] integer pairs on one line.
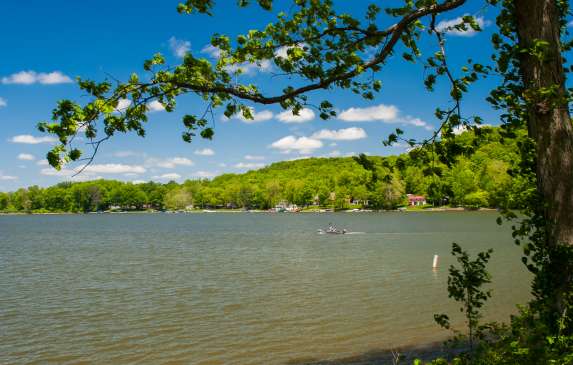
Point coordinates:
[[477, 199]]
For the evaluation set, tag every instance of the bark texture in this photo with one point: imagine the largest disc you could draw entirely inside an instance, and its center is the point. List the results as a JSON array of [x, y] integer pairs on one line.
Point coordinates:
[[549, 120]]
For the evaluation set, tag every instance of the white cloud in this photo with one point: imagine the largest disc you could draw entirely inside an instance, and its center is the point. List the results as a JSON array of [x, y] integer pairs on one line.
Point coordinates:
[[22, 77], [179, 47], [204, 174], [400, 145], [53, 78], [177, 161], [122, 104], [212, 51], [261, 116], [26, 157], [246, 68], [347, 134], [114, 168], [170, 176], [304, 115], [381, 113], [334, 153], [70, 174], [249, 165], [417, 122], [48, 171], [169, 163], [7, 177], [42, 163], [29, 139], [91, 170], [384, 113], [205, 152], [155, 106], [457, 130], [33, 77], [303, 145], [86, 177], [3, 102], [249, 68], [254, 158], [222, 164], [447, 26], [282, 52]]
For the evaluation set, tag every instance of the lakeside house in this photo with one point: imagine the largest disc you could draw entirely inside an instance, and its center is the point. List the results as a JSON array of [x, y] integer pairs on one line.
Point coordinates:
[[416, 200], [360, 202], [284, 206]]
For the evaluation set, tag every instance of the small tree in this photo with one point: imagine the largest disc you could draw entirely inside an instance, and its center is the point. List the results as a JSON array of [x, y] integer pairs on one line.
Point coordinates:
[[465, 285]]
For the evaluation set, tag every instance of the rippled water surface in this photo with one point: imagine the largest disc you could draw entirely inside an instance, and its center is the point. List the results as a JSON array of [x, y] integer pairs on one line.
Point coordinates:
[[234, 288]]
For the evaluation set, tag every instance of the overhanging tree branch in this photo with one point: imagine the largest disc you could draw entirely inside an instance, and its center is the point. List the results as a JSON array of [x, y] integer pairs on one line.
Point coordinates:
[[321, 51]]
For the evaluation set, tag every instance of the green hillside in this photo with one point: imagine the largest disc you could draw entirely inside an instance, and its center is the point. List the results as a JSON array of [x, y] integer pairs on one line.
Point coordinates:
[[478, 177]]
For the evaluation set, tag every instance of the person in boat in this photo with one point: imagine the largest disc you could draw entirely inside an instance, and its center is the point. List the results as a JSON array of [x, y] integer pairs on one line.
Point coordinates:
[[333, 229]]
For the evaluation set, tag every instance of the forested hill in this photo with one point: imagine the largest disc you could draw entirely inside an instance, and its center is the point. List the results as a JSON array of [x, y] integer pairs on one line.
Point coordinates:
[[477, 178]]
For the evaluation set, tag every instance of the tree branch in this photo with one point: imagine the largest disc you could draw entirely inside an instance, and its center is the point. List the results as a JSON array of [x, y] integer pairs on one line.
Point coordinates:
[[395, 31]]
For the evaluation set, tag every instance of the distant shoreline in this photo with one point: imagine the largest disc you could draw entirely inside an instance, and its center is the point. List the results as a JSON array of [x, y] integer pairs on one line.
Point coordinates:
[[463, 210]]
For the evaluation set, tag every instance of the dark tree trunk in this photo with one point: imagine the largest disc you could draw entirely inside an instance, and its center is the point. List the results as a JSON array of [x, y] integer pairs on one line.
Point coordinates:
[[549, 125]]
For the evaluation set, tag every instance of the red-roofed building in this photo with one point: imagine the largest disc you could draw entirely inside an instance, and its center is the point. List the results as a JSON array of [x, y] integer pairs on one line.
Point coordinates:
[[416, 200]]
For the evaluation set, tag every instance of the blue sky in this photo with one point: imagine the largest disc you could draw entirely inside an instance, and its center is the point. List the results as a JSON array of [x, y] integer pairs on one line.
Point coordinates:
[[49, 43]]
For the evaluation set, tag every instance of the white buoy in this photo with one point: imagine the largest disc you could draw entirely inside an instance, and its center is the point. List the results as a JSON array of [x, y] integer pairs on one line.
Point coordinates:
[[435, 264]]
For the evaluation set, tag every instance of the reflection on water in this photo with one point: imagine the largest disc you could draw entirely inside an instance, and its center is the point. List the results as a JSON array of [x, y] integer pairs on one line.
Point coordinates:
[[234, 288]]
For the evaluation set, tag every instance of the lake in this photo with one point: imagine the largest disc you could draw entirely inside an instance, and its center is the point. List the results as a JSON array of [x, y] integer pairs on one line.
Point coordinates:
[[230, 288]]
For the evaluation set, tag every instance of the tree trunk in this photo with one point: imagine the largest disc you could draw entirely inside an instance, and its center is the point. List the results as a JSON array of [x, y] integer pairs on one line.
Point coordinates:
[[549, 121], [549, 126]]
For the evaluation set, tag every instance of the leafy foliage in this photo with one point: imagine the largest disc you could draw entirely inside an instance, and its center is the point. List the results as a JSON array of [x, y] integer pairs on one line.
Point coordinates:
[[315, 46], [465, 285]]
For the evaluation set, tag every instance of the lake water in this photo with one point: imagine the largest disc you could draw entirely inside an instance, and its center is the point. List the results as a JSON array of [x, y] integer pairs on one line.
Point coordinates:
[[250, 288]]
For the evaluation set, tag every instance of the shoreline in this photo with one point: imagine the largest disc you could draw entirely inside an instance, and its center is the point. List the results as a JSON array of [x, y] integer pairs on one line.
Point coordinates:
[[227, 211], [424, 351]]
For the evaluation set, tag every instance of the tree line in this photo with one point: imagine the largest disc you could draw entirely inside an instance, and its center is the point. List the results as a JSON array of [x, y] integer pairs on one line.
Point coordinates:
[[479, 177]]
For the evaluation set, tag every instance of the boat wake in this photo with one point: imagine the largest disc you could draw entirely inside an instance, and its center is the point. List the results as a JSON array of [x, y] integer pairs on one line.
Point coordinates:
[[320, 231], [333, 230]]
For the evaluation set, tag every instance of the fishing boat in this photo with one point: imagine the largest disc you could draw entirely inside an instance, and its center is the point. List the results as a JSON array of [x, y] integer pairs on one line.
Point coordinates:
[[332, 230]]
